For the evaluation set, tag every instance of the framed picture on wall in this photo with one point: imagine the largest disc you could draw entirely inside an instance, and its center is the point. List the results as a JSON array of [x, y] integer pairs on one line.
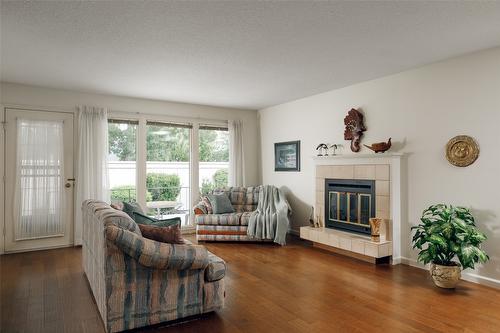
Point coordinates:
[[287, 156]]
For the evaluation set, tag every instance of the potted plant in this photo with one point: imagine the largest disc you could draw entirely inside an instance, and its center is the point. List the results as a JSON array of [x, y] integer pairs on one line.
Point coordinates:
[[446, 232]]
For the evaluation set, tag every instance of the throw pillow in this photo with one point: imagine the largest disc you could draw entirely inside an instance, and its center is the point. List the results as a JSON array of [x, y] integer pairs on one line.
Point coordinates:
[[117, 205], [170, 234], [131, 207], [144, 219], [220, 203], [207, 204]]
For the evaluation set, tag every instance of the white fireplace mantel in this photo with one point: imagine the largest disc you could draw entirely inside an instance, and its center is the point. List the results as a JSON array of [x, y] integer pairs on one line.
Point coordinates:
[[395, 163], [350, 159]]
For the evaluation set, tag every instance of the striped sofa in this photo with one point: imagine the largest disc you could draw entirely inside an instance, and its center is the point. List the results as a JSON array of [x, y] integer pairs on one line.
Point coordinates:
[[137, 281], [227, 227]]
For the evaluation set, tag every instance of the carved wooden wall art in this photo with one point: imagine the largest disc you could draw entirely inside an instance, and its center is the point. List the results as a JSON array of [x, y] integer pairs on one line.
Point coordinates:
[[354, 128], [462, 151], [380, 147]]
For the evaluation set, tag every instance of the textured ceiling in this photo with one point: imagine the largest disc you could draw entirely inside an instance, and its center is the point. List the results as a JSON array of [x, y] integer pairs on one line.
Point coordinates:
[[234, 54]]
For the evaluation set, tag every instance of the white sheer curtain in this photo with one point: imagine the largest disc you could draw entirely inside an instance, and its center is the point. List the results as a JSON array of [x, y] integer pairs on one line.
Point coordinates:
[[38, 194], [236, 154], [92, 180]]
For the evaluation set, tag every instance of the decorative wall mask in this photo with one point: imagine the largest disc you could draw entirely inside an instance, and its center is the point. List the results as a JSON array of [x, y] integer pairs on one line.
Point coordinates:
[[380, 147], [354, 128], [462, 151]]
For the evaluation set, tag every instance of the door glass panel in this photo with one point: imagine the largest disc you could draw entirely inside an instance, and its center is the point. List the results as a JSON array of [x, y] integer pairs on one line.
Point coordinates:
[[38, 190], [122, 160], [214, 158], [168, 173]]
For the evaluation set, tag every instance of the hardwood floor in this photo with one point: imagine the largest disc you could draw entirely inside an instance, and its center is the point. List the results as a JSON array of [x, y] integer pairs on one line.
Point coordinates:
[[269, 289]]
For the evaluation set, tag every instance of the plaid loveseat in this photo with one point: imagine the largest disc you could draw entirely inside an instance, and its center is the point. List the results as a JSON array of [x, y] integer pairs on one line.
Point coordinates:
[[231, 226], [137, 281]]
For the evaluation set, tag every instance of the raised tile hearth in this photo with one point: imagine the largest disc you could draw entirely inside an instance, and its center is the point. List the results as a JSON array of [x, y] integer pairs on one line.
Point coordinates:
[[349, 243], [385, 171]]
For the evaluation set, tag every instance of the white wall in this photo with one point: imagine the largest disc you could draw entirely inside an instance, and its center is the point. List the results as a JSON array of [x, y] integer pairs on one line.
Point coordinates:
[[421, 110]]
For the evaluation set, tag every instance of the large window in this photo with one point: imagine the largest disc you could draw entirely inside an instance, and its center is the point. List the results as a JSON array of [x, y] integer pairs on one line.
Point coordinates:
[[214, 157], [168, 173], [122, 136], [164, 166]]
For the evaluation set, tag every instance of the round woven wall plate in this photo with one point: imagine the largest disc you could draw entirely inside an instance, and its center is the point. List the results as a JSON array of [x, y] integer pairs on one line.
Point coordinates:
[[462, 151]]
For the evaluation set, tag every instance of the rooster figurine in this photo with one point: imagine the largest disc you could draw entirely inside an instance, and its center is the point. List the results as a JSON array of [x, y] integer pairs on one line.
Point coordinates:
[[380, 147]]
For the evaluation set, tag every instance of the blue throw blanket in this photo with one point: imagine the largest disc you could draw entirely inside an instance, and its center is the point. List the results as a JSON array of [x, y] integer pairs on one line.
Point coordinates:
[[271, 219]]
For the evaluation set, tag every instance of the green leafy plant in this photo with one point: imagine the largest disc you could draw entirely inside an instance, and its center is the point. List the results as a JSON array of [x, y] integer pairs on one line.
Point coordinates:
[[163, 187], [123, 193], [126, 193], [219, 180], [445, 232]]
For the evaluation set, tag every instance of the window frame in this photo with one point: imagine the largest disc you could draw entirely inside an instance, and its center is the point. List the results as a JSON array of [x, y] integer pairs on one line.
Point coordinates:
[[130, 121], [204, 126], [141, 150]]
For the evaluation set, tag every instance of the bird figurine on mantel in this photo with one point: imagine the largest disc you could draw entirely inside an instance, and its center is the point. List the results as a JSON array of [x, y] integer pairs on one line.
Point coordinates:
[[322, 149], [380, 147]]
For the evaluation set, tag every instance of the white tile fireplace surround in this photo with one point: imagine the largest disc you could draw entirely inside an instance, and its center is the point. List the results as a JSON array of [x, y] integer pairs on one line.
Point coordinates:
[[385, 170]]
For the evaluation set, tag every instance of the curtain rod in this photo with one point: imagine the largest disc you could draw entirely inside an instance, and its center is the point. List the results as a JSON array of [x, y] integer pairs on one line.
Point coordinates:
[[185, 118]]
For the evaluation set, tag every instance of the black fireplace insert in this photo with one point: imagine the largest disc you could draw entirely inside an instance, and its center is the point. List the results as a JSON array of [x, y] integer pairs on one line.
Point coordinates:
[[349, 204]]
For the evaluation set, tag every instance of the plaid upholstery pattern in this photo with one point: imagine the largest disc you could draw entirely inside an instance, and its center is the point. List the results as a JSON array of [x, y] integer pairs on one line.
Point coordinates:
[[201, 207], [216, 270], [204, 206], [138, 282], [224, 238], [158, 255], [245, 218], [219, 219], [244, 199], [228, 227], [203, 229]]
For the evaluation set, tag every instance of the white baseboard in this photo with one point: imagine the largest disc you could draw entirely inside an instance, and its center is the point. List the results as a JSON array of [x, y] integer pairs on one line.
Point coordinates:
[[42, 249], [396, 261], [466, 276]]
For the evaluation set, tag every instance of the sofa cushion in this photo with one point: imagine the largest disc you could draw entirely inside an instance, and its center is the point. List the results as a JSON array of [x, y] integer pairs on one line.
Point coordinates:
[[244, 199], [171, 234], [109, 216], [206, 229], [207, 204], [131, 207], [148, 220], [216, 268], [219, 219], [220, 203], [245, 218]]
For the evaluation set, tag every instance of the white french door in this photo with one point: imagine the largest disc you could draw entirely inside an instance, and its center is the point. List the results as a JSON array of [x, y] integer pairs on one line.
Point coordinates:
[[38, 179]]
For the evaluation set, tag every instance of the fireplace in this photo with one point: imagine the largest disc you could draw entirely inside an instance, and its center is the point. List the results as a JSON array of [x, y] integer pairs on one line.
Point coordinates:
[[349, 204]]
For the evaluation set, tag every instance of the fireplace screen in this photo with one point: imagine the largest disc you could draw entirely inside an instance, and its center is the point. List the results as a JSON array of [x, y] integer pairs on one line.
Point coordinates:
[[350, 204]]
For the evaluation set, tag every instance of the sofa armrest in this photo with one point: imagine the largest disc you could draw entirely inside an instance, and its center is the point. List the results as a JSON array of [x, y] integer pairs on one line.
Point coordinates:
[[216, 269], [158, 255], [200, 209]]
